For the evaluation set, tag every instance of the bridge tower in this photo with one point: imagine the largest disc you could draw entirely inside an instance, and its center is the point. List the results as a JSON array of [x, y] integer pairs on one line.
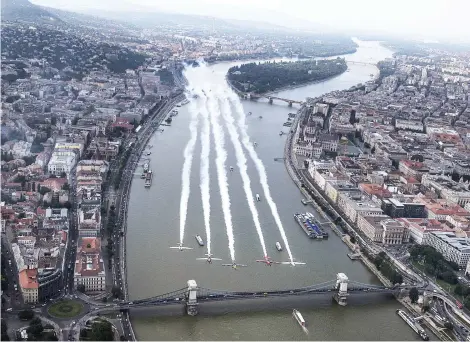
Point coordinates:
[[191, 298], [270, 100], [342, 288]]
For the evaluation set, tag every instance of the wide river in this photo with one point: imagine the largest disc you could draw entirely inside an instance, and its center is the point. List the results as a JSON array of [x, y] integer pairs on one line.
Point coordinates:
[[154, 225]]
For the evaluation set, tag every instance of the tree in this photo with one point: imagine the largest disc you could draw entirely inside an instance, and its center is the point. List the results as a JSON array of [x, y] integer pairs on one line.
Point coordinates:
[[102, 331], [458, 290], [448, 325], [5, 336], [352, 239], [35, 330], [81, 288], [68, 205], [49, 336], [448, 277], [44, 190], [35, 320], [63, 175], [66, 186], [414, 295], [26, 315], [116, 291], [21, 215]]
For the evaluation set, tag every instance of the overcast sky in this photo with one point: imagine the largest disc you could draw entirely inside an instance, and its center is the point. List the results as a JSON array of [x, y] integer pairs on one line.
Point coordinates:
[[430, 19]]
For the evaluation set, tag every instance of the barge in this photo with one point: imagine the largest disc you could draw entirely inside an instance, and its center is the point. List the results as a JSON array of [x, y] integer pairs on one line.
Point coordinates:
[[310, 226], [413, 324]]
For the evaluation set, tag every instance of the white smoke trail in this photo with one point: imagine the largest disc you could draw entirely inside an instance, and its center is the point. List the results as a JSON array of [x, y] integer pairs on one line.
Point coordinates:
[[241, 162], [260, 167], [205, 186], [219, 137], [186, 173]]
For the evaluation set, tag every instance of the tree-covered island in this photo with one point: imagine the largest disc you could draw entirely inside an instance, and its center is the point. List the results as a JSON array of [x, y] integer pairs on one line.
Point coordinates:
[[269, 76]]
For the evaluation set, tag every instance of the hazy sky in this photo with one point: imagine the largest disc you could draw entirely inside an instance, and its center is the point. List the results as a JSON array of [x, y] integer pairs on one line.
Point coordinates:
[[431, 19]]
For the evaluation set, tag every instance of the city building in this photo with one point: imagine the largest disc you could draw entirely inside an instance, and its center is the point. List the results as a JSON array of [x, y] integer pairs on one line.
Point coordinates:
[[29, 285], [420, 228], [89, 265], [451, 247]]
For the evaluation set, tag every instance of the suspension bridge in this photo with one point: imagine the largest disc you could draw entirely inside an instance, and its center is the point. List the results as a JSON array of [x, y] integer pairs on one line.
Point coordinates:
[[192, 294]]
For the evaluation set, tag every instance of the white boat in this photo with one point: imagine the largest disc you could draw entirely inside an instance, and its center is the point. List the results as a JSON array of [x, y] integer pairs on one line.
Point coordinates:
[[199, 240], [258, 198], [298, 316], [278, 246]]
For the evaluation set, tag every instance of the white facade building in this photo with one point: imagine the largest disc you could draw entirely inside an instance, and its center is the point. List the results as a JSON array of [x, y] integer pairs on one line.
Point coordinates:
[[58, 164], [451, 247]]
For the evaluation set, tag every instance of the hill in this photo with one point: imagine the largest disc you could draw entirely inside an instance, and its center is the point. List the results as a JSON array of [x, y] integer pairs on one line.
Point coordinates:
[[25, 11]]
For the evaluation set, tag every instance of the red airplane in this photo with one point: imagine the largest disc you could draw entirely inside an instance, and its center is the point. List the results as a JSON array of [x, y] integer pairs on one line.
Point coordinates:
[[267, 260]]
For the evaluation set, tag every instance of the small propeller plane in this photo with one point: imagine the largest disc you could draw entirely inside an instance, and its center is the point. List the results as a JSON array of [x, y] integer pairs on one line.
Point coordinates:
[[180, 247]]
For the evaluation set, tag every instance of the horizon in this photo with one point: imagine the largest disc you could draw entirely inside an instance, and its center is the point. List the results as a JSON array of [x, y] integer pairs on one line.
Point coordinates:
[[414, 20]]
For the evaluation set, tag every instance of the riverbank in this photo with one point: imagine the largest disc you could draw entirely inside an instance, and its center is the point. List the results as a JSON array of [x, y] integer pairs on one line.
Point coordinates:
[[294, 172], [147, 131]]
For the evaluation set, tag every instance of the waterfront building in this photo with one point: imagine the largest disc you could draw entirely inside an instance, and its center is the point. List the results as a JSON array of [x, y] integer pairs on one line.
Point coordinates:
[[421, 228], [352, 208], [453, 248], [89, 265]]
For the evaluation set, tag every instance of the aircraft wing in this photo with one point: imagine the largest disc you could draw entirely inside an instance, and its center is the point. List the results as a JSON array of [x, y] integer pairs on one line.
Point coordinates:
[[227, 265], [216, 259], [242, 265]]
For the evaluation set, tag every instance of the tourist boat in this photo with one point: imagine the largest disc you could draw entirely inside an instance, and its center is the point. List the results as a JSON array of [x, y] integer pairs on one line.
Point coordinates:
[[199, 240], [298, 316]]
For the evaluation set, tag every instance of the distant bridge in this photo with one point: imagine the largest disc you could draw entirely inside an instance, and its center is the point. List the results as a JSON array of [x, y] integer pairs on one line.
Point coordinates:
[[361, 63], [191, 295], [253, 96]]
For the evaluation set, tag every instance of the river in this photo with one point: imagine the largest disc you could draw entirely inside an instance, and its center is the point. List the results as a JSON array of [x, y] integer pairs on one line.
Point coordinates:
[[154, 225]]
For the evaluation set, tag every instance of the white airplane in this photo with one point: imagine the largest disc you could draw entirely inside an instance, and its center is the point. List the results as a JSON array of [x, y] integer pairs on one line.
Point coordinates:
[[234, 265], [293, 263], [209, 258], [181, 247]]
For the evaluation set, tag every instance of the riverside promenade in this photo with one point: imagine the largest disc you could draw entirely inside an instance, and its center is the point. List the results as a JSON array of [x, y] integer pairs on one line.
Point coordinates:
[[122, 199]]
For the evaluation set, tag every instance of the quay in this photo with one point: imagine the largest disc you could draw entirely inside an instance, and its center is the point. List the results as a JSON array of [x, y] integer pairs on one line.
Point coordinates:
[[122, 198]]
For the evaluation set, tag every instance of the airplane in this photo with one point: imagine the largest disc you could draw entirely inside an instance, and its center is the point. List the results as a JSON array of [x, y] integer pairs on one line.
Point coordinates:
[[234, 265], [267, 260], [180, 247], [293, 263], [209, 258]]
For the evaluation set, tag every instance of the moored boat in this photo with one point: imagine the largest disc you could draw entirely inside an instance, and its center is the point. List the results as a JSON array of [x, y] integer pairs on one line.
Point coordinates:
[[278, 246]]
